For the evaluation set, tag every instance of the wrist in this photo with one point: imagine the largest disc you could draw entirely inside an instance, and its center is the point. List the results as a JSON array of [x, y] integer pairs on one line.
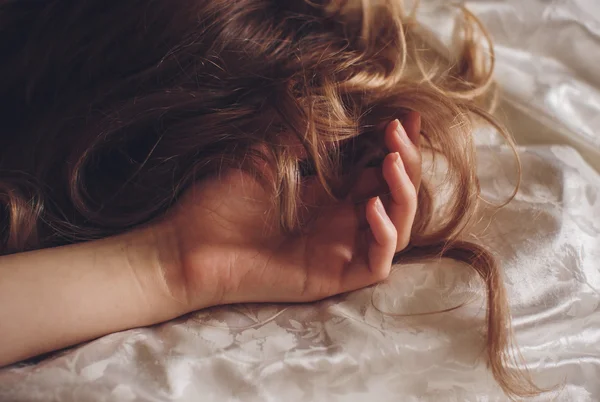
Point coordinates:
[[172, 277], [153, 262]]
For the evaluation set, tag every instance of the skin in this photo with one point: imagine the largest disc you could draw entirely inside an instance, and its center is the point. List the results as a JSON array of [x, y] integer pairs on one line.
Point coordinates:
[[220, 245]]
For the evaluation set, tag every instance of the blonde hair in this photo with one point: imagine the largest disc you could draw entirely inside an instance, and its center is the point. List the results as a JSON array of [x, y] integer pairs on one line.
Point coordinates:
[[139, 115]]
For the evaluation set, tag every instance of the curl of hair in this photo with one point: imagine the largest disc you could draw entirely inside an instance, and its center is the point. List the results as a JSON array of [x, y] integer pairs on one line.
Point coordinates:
[[114, 108]]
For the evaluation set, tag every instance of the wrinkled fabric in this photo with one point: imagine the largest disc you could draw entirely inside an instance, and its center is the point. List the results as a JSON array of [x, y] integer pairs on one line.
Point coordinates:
[[547, 58], [373, 344], [366, 344]]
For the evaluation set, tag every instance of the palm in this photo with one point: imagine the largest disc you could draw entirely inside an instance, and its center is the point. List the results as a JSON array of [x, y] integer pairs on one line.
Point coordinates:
[[231, 238]]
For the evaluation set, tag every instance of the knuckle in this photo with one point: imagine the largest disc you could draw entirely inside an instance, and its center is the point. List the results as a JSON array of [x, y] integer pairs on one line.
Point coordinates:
[[415, 159], [411, 196]]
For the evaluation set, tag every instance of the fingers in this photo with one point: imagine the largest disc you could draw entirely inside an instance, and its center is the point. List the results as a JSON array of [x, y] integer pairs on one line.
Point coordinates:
[[412, 126], [402, 206], [406, 141], [381, 245], [382, 228], [390, 228]]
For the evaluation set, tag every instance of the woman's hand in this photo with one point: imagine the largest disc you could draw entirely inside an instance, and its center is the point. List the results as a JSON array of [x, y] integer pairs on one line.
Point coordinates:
[[221, 244], [225, 245]]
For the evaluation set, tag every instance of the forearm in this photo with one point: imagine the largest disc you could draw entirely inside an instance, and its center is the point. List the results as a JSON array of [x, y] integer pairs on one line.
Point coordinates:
[[54, 298]]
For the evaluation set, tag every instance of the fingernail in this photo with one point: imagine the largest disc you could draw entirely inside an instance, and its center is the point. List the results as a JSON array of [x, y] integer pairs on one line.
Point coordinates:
[[402, 133], [398, 160]]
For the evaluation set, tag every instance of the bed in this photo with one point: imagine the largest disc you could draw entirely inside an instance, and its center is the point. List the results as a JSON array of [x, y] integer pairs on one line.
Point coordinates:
[[370, 344]]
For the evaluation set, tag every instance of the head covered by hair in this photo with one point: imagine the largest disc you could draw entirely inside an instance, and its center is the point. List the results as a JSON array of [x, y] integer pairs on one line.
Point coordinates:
[[113, 108]]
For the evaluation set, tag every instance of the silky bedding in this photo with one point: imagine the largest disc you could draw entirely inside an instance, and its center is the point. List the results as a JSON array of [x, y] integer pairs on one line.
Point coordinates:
[[376, 343]]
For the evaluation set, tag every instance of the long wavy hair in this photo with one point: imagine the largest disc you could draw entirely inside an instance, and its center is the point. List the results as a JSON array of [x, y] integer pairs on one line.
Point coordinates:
[[111, 109]]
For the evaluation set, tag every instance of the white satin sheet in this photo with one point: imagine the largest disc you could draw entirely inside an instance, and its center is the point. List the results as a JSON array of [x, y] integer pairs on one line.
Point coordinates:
[[363, 346]]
